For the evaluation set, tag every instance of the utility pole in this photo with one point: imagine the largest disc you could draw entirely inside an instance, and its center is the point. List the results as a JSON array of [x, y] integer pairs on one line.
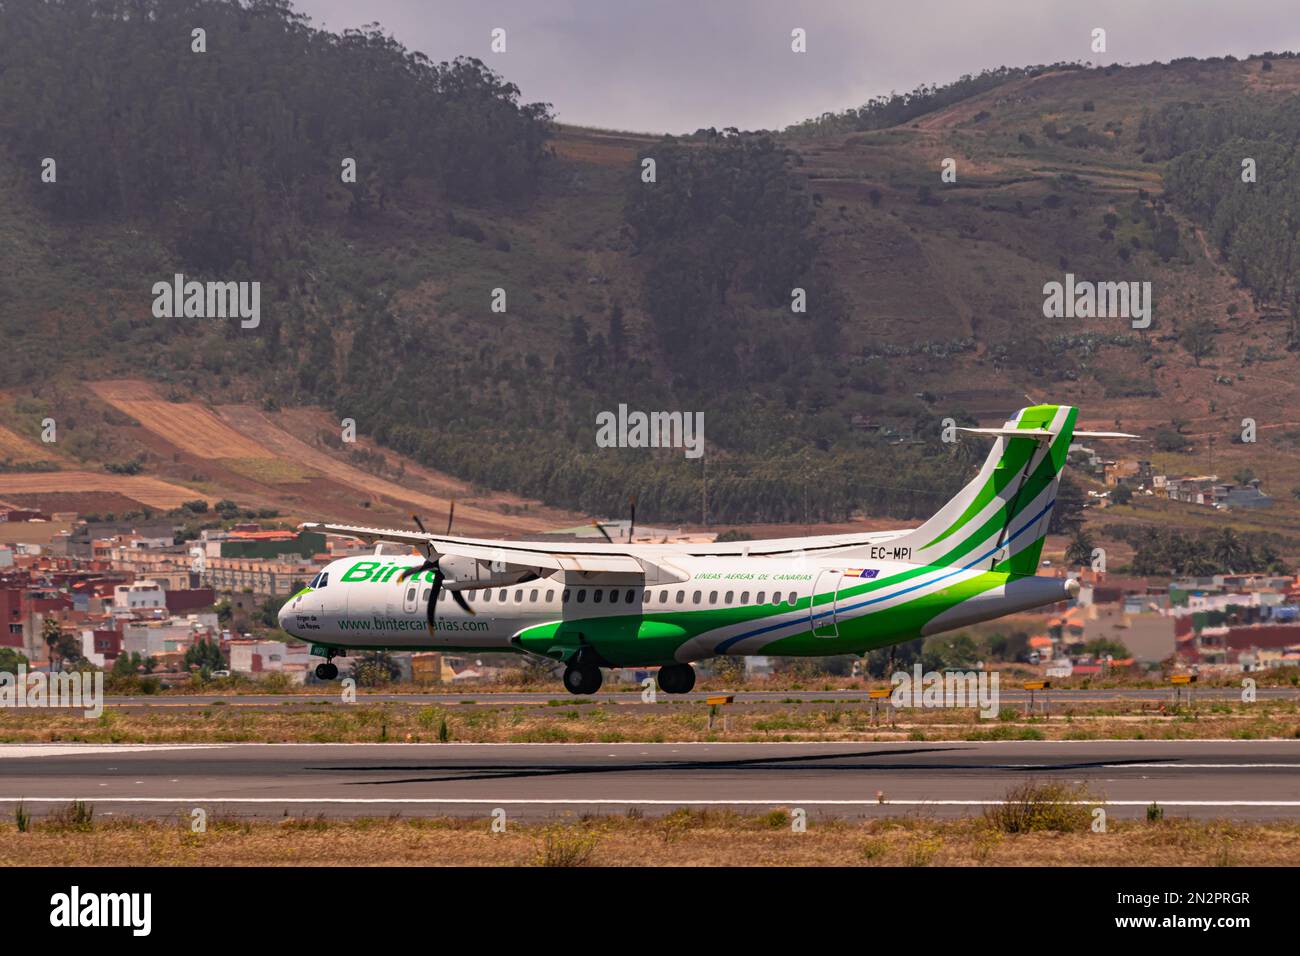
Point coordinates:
[[704, 471]]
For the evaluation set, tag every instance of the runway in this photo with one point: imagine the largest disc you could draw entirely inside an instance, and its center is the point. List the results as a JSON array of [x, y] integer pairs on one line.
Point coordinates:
[[1230, 779]]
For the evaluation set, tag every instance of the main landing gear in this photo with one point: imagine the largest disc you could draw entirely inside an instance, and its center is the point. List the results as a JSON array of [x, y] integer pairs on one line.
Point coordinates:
[[582, 678], [676, 678]]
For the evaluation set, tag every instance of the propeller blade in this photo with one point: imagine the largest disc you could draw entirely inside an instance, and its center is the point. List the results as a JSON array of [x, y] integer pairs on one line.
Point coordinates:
[[433, 598], [631, 525], [451, 514], [429, 564], [428, 548], [601, 528], [460, 599]]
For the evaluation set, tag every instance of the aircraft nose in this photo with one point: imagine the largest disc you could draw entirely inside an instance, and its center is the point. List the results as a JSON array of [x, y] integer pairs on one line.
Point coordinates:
[[286, 613]]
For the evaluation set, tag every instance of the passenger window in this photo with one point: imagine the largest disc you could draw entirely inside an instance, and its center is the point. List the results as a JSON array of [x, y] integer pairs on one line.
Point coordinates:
[[663, 597], [681, 597], [776, 597], [762, 596], [597, 596], [564, 596], [793, 597], [645, 597], [744, 597], [729, 596], [532, 597], [695, 598], [487, 595], [410, 594], [613, 595], [582, 595], [442, 595], [519, 595], [630, 596], [713, 597], [550, 596], [504, 595]]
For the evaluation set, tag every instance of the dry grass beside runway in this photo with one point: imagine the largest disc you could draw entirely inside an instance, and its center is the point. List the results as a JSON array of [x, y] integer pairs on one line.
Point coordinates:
[[515, 682], [575, 721], [682, 838]]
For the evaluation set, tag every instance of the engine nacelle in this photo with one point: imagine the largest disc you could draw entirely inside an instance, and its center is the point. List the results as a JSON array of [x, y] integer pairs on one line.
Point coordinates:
[[462, 573]]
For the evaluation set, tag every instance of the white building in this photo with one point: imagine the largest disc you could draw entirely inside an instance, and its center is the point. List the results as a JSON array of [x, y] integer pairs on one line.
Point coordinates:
[[140, 596]]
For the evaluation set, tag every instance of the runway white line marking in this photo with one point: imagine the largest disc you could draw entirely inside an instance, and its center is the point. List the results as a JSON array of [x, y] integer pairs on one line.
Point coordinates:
[[587, 801], [1202, 766], [65, 750]]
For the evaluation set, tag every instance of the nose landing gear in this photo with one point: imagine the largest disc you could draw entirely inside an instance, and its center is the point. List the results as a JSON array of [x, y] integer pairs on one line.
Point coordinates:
[[327, 671]]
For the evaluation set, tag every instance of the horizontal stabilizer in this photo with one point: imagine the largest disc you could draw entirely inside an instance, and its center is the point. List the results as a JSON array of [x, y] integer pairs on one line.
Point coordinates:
[[1042, 434]]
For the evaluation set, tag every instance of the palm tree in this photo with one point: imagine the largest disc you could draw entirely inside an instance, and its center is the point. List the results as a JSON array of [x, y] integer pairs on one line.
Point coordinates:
[[1079, 553], [51, 633], [1228, 550]]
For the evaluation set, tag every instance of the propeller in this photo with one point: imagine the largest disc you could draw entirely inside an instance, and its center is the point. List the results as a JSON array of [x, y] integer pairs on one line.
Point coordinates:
[[631, 525], [451, 513], [430, 563]]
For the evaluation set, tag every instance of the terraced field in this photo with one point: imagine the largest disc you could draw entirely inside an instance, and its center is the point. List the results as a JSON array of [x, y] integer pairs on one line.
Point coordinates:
[[16, 448], [148, 491], [189, 426]]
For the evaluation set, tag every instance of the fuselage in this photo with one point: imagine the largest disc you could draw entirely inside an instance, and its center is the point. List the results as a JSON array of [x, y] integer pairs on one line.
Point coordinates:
[[735, 605]]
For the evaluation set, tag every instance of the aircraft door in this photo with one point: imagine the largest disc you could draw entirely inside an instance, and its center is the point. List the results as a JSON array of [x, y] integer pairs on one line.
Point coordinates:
[[821, 615]]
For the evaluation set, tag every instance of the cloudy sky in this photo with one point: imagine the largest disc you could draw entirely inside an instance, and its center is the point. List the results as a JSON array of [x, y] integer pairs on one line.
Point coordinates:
[[677, 65]]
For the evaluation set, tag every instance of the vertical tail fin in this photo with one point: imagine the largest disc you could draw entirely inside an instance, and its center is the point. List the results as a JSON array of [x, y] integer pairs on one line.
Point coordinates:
[[999, 520]]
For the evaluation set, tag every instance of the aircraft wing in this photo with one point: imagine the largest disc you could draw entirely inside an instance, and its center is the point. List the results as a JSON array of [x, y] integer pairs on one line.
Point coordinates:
[[598, 557], [542, 556]]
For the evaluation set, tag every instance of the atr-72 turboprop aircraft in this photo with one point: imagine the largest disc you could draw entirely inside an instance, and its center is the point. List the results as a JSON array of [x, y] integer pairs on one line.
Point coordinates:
[[669, 605]]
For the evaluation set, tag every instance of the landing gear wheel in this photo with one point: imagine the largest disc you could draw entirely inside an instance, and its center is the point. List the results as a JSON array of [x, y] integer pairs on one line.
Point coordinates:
[[582, 679], [327, 671], [676, 678]]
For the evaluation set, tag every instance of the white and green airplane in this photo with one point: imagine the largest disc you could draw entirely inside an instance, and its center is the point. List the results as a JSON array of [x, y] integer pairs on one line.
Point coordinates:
[[670, 605]]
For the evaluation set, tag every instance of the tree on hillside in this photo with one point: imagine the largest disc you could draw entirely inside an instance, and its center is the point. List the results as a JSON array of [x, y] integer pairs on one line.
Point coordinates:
[[1067, 516], [1079, 553], [1197, 338]]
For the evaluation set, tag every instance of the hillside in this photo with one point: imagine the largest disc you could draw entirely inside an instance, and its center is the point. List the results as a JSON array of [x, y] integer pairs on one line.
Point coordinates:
[[924, 298]]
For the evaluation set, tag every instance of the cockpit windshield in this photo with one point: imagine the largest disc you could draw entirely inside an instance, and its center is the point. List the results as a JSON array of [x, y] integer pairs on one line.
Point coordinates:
[[319, 581]]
